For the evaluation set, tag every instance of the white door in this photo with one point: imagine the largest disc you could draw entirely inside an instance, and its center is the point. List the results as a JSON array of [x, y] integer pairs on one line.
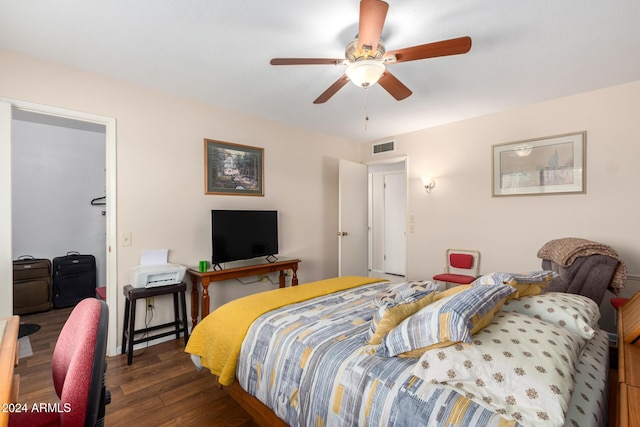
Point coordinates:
[[395, 190], [352, 219]]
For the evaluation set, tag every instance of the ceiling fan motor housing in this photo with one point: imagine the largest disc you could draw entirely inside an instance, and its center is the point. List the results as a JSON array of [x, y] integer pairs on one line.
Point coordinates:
[[352, 54]]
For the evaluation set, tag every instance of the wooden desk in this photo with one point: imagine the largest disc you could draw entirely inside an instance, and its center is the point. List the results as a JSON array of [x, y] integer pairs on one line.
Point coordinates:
[[8, 360], [233, 273]]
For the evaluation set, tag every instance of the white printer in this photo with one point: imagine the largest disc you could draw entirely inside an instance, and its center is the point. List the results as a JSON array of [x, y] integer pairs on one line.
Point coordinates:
[[148, 276], [155, 270]]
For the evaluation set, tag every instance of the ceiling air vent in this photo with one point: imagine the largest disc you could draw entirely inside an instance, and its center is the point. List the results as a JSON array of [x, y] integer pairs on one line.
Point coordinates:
[[383, 147]]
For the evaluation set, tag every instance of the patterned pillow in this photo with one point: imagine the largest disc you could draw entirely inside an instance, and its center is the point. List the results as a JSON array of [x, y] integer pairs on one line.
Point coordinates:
[[531, 283], [577, 313], [401, 291], [518, 366], [445, 321], [594, 359], [396, 304]]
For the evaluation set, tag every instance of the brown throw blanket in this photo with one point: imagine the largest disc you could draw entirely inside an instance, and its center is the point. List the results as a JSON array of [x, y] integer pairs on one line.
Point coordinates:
[[564, 251]]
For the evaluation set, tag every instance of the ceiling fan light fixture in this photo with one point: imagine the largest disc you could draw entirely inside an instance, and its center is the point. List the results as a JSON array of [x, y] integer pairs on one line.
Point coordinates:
[[365, 73]]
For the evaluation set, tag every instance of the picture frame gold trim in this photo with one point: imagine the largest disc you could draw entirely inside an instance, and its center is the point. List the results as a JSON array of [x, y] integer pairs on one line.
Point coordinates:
[[233, 169], [550, 165]]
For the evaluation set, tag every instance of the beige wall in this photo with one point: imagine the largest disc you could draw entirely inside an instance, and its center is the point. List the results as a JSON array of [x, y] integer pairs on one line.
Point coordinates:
[[160, 175], [160, 179], [460, 212]]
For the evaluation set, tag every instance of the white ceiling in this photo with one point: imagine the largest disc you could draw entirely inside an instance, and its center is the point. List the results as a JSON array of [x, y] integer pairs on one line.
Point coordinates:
[[218, 51]]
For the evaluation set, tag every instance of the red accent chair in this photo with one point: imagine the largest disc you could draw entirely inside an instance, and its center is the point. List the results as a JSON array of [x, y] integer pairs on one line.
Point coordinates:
[[78, 367], [462, 267]]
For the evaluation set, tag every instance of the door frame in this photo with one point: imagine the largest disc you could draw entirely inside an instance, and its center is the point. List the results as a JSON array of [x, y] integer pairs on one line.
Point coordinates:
[[389, 160], [110, 208]]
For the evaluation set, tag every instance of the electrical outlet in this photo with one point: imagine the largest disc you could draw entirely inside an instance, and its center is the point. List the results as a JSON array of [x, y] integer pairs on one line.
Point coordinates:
[[149, 303]]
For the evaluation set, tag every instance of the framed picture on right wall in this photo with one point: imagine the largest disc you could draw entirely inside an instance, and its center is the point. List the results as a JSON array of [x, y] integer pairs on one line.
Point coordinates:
[[550, 165]]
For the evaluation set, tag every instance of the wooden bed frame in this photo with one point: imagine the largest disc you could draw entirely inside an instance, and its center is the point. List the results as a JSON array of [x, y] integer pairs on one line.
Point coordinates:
[[628, 411], [261, 414]]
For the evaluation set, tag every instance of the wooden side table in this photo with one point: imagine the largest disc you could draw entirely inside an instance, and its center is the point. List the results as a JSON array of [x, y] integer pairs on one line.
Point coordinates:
[[179, 325], [205, 278]]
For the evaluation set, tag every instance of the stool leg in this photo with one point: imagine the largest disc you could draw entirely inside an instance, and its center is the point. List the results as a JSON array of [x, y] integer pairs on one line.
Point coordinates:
[[176, 315], [132, 325], [185, 322], [125, 326]]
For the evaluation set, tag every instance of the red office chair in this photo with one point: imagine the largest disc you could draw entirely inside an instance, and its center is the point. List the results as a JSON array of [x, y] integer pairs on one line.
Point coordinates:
[[78, 367], [462, 267]]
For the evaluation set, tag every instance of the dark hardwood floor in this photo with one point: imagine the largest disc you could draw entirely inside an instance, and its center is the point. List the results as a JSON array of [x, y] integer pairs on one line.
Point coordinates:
[[160, 388]]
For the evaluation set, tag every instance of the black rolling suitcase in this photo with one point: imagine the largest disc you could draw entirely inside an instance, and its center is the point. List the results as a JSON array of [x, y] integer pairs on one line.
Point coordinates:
[[31, 285], [74, 279]]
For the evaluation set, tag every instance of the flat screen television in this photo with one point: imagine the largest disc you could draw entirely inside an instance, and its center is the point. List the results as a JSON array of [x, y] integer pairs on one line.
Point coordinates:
[[243, 234]]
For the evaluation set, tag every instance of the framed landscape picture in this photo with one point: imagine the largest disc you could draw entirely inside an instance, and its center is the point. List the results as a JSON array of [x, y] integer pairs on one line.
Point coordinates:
[[233, 169], [551, 165]]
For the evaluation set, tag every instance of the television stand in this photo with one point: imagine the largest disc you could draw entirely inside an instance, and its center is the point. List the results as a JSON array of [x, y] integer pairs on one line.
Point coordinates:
[[271, 258], [205, 278]]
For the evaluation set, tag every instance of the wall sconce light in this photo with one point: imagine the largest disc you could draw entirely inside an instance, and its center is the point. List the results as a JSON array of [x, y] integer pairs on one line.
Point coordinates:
[[429, 183]]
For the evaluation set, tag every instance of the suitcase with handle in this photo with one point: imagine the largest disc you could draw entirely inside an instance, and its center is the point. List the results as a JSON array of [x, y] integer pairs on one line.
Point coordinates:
[[31, 285], [74, 279]]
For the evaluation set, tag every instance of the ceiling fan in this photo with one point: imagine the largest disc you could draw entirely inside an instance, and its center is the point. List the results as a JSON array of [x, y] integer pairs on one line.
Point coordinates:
[[366, 56]]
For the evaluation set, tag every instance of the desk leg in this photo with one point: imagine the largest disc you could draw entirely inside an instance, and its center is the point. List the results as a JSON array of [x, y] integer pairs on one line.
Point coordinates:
[[281, 279], [205, 296], [294, 278], [195, 301]]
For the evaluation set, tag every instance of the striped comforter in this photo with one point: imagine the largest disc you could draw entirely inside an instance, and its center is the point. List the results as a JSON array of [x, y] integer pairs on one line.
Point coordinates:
[[310, 364], [285, 347]]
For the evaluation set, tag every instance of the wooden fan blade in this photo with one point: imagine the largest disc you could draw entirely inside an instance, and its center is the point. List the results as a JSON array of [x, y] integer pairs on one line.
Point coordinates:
[[306, 61], [332, 90], [394, 86], [372, 16], [432, 50]]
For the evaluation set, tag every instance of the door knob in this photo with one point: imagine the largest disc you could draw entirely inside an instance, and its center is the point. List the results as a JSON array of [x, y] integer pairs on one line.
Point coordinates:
[[342, 233]]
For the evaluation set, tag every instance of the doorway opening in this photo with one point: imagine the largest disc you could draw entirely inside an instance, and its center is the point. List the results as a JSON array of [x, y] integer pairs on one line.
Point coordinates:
[[57, 174], [387, 219], [26, 114]]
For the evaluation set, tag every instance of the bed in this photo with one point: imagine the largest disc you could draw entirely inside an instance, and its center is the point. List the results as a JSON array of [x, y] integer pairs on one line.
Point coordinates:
[[355, 351]]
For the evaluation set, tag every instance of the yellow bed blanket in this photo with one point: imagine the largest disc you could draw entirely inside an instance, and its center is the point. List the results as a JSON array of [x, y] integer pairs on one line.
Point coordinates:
[[218, 338]]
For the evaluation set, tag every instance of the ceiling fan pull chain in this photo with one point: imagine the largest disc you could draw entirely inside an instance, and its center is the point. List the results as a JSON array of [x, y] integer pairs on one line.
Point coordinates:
[[366, 108]]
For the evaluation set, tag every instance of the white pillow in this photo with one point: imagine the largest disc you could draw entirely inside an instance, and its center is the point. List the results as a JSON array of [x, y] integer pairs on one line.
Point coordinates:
[[577, 313], [518, 366]]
